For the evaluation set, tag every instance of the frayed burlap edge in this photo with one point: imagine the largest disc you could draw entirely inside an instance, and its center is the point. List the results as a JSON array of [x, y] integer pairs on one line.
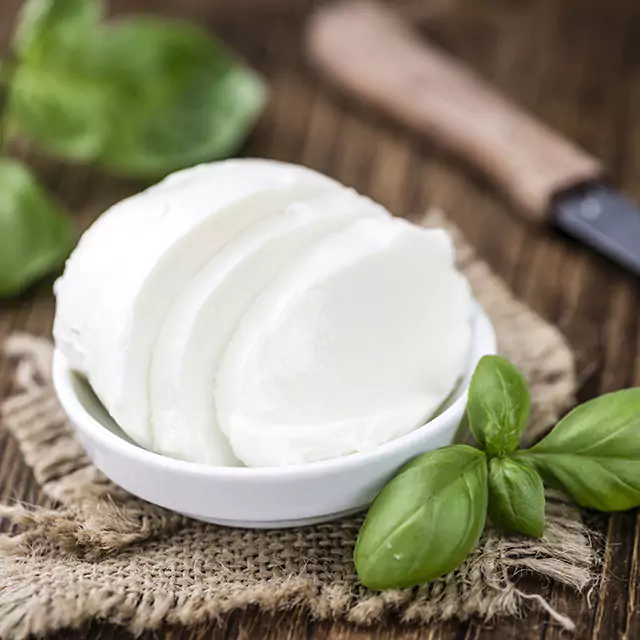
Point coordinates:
[[483, 586], [105, 554]]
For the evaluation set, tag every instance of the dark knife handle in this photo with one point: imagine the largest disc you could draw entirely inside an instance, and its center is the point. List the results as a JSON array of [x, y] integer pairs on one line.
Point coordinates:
[[372, 53]]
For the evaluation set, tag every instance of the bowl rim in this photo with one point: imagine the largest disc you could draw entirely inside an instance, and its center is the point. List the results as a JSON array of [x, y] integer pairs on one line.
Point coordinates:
[[82, 420]]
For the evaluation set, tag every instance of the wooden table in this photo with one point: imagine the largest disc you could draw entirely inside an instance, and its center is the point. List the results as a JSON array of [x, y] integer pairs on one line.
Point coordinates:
[[576, 64]]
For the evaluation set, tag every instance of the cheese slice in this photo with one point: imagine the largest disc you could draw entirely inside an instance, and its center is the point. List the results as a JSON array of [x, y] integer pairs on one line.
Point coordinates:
[[130, 266], [354, 344], [208, 310]]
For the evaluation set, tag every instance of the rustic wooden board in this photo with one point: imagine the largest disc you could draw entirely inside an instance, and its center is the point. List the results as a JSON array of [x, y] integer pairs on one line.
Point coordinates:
[[576, 64]]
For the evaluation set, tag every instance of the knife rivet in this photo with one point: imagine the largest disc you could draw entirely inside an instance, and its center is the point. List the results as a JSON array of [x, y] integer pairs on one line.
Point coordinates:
[[590, 209]]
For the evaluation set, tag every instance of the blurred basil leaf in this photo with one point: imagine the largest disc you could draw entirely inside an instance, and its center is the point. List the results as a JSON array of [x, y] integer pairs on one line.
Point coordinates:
[[426, 521], [141, 96], [63, 109], [49, 28], [183, 97], [516, 497], [498, 406], [56, 95], [35, 236]]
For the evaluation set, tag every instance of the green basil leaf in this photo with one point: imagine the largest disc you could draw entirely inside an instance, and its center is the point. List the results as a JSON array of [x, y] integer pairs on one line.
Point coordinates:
[[142, 97], [57, 96], [516, 497], [182, 97], [63, 109], [593, 453], [498, 406], [47, 28], [426, 521], [35, 236]]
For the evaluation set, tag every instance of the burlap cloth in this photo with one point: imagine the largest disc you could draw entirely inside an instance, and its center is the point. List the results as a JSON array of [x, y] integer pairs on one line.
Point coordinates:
[[102, 553]]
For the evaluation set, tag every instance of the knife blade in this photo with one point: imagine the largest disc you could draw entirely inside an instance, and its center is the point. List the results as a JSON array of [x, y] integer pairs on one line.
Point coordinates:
[[603, 219], [374, 54]]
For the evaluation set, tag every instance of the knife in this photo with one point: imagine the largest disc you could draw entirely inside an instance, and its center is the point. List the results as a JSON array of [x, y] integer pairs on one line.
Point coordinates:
[[371, 52]]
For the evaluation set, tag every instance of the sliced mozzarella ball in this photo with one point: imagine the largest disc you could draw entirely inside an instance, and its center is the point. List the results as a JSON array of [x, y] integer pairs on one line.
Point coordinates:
[[130, 266], [208, 310], [356, 343], [254, 312]]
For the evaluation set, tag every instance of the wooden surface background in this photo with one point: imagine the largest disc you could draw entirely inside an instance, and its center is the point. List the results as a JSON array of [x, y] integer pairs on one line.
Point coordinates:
[[574, 63]]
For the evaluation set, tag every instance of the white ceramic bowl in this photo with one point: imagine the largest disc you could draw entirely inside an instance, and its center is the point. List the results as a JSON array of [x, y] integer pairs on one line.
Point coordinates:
[[263, 497]]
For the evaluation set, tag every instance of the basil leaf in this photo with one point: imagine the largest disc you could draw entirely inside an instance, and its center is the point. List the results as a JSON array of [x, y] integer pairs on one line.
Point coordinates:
[[35, 236], [47, 27], [56, 95], [425, 521], [516, 497], [62, 108], [182, 97], [141, 96], [498, 406], [593, 453]]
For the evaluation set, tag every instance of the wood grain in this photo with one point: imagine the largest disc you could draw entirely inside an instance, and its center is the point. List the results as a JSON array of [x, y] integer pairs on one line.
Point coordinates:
[[373, 54], [573, 63]]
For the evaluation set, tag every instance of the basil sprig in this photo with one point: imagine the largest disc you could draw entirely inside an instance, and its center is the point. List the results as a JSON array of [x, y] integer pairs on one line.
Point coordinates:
[[431, 515], [141, 96]]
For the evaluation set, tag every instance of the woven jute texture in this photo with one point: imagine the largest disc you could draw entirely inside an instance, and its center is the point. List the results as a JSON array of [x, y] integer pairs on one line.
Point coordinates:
[[99, 552]]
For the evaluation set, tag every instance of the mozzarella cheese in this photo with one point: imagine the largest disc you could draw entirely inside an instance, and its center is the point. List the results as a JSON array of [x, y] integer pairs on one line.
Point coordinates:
[[254, 312]]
